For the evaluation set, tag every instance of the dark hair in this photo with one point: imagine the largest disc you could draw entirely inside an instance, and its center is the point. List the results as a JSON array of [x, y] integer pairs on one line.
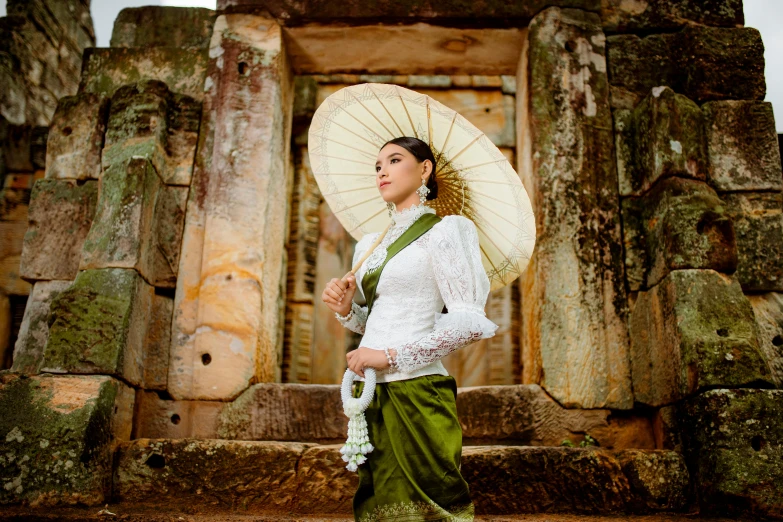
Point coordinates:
[[421, 151]]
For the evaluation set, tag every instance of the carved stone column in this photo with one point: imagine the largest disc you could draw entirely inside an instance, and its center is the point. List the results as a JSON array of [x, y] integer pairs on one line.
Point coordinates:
[[227, 316]]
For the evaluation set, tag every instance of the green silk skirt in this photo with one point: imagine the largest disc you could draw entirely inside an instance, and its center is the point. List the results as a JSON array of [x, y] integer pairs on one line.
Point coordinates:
[[413, 471]]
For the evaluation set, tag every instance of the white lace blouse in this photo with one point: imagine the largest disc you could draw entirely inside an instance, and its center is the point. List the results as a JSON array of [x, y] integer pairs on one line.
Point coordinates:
[[442, 266]]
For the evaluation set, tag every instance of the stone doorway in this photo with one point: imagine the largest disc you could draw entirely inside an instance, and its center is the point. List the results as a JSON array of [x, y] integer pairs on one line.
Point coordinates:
[[473, 71]]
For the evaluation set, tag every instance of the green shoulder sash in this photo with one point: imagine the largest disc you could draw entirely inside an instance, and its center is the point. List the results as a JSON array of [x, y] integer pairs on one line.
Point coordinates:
[[419, 227]]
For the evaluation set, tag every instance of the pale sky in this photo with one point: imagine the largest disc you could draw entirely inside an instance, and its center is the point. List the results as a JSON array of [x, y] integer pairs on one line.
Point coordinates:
[[764, 15]]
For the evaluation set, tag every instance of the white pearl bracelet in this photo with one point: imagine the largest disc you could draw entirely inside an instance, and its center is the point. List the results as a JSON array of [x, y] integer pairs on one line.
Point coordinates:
[[392, 364]]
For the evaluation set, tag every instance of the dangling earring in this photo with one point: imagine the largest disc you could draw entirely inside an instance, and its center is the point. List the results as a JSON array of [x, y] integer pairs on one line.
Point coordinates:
[[390, 208], [422, 192]]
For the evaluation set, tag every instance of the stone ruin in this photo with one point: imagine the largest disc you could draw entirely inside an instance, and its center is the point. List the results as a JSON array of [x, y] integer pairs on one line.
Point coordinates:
[[165, 245]]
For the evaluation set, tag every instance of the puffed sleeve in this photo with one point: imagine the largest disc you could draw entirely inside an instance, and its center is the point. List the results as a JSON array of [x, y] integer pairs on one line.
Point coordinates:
[[464, 287], [357, 317]]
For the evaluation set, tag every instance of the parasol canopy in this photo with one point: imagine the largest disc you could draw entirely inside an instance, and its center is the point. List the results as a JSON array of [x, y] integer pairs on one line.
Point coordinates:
[[474, 178]]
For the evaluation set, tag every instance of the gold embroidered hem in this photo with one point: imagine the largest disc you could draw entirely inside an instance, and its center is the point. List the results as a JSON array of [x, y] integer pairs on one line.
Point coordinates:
[[419, 510], [413, 473]]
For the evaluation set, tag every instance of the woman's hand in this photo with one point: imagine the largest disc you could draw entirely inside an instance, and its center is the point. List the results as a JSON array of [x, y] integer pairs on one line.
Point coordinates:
[[339, 293], [364, 357]]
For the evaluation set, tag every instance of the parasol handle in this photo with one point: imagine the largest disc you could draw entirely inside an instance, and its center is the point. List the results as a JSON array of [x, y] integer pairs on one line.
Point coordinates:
[[367, 254]]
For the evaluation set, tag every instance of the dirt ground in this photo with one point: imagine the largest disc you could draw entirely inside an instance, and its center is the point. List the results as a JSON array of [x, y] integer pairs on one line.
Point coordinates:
[[127, 513]]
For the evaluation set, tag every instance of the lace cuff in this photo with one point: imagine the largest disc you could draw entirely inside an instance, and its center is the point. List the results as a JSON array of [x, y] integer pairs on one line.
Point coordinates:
[[356, 318], [463, 325]]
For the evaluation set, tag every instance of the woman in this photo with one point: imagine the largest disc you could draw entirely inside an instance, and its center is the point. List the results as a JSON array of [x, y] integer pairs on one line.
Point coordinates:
[[413, 472]]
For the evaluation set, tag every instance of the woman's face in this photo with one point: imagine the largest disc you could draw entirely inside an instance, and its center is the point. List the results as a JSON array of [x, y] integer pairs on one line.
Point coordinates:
[[399, 174]]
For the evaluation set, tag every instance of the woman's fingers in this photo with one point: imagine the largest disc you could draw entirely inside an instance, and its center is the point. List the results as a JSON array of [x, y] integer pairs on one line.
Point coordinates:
[[333, 294], [354, 363]]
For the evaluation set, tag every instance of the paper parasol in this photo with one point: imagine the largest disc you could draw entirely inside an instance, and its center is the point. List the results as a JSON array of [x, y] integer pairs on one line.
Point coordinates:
[[474, 177]]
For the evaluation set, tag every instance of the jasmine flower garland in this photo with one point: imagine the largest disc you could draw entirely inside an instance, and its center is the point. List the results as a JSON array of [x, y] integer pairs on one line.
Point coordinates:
[[358, 443]]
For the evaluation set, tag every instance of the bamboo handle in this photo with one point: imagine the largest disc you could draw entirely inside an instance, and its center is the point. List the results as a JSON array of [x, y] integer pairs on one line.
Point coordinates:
[[369, 251]]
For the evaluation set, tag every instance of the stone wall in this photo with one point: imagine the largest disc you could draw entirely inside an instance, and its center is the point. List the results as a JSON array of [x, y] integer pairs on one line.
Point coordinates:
[[175, 244], [699, 177], [40, 60]]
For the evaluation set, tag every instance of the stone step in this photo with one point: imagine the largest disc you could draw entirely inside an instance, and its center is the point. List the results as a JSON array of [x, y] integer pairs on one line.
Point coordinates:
[[514, 414], [311, 479]]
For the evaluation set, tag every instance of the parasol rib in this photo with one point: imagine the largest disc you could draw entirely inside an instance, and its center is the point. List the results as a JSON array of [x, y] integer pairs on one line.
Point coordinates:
[[464, 149], [387, 112], [372, 114], [365, 221], [355, 205], [344, 159], [445, 141], [346, 129], [405, 108], [368, 154]]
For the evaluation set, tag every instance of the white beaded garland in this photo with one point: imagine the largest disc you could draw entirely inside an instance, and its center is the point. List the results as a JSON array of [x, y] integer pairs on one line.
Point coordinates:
[[358, 443]]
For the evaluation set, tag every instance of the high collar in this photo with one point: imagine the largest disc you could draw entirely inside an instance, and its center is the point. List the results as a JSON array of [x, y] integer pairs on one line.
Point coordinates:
[[408, 215]]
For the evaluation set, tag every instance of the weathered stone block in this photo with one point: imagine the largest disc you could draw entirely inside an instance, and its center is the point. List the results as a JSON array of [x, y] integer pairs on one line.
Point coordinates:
[[163, 26], [417, 81], [169, 222], [297, 361], [61, 214], [298, 13], [122, 233], [257, 414], [734, 450], [523, 479], [722, 63], [236, 301], [11, 281], [14, 202], [680, 223], [184, 118], [768, 310], [692, 331], [157, 343], [34, 331], [304, 231], [167, 419], [59, 21], [17, 145], [39, 136], [659, 479], [621, 16], [305, 91], [743, 146], [98, 325], [57, 436], [637, 64], [758, 226], [519, 414], [508, 84], [666, 429], [324, 483], [526, 415], [138, 124], [73, 149], [252, 475], [575, 338], [11, 240], [667, 138], [147, 119], [107, 69]]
